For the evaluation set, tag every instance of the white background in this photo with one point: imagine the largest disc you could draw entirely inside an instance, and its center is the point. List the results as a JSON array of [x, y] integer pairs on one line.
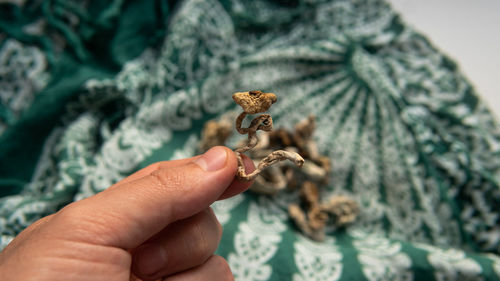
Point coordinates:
[[468, 31]]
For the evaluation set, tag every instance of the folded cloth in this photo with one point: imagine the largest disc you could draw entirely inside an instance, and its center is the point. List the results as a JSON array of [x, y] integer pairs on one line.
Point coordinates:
[[92, 91]]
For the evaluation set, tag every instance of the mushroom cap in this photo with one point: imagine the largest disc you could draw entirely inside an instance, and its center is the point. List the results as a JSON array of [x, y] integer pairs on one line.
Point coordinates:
[[254, 102]]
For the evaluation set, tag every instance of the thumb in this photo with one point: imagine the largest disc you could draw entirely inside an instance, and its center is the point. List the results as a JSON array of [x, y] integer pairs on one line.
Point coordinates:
[[130, 213]]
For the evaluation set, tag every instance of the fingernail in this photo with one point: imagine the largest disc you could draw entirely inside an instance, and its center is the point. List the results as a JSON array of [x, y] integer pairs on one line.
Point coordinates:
[[214, 159], [150, 259]]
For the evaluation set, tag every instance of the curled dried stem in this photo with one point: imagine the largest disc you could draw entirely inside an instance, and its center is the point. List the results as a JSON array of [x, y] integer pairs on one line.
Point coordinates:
[[256, 102], [344, 209], [274, 157], [312, 221], [262, 122]]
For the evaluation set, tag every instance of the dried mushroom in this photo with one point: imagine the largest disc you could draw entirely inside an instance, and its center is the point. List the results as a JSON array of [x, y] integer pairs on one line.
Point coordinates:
[[257, 102], [310, 213], [314, 216]]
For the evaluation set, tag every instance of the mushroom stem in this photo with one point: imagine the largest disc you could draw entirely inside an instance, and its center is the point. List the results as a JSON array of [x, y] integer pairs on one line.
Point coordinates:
[[239, 120], [275, 156], [262, 122]]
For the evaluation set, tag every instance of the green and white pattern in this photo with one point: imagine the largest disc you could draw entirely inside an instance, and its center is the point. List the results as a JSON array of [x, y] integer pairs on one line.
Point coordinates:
[[84, 104]]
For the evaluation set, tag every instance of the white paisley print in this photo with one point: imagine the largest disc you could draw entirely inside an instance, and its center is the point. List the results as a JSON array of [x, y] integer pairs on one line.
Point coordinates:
[[23, 73], [257, 240], [496, 264], [382, 259], [317, 261], [452, 264]]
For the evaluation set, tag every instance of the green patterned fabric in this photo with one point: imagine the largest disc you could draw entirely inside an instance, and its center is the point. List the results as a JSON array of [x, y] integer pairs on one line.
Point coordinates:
[[91, 91]]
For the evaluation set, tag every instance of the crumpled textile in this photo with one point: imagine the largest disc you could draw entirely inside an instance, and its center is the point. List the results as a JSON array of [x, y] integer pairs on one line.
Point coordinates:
[[92, 91]]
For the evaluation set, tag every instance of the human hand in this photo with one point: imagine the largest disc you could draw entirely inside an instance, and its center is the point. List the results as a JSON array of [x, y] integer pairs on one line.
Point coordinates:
[[154, 224]]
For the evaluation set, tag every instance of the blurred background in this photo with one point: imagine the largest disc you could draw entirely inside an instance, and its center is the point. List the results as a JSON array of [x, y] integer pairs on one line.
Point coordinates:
[[468, 31]]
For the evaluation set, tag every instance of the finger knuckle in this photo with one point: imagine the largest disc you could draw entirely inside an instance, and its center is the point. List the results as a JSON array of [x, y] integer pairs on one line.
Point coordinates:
[[201, 248], [76, 223], [218, 226], [175, 178], [225, 270], [167, 179], [203, 238]]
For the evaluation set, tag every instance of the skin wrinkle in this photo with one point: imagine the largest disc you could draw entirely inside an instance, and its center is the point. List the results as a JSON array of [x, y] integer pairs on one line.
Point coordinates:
[[64, 268], [199, 247], [114, 256], [91, 229]]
